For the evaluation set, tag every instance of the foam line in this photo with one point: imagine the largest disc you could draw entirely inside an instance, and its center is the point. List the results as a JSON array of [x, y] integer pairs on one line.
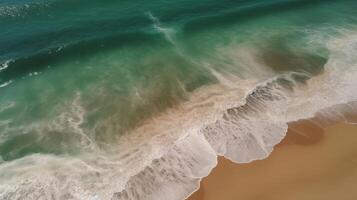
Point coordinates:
[[167, 156]]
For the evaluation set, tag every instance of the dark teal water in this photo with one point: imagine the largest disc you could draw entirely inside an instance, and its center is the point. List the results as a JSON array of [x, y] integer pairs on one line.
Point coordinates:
[[78, 75]]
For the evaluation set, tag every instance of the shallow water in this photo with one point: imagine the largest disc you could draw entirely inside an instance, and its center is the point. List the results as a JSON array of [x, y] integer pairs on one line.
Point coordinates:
[[312, 162], [131, 94]]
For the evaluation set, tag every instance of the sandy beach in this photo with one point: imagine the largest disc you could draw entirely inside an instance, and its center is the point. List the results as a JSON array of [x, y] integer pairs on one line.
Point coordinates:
[[311, 163]]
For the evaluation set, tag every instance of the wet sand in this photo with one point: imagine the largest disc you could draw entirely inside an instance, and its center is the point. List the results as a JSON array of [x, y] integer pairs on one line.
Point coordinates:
[[311, 163]]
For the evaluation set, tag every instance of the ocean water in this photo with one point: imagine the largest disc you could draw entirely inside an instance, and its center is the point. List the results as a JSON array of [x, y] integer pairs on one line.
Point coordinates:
[[135, 99]]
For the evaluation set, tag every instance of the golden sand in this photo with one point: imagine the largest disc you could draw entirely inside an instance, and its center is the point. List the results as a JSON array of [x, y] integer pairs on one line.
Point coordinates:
[[311, 163]]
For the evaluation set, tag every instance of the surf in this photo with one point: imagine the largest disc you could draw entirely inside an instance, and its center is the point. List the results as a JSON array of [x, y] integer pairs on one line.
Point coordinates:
[[141, 102]]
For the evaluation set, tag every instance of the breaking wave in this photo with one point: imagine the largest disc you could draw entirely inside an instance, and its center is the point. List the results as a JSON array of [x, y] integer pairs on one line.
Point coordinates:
[[166, 157]]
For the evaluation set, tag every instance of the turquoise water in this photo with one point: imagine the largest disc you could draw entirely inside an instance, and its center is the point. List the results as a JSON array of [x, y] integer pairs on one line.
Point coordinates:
[[78, 78]]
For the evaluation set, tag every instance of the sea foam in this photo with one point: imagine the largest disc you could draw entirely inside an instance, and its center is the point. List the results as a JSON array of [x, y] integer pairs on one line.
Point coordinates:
[[167, 156]]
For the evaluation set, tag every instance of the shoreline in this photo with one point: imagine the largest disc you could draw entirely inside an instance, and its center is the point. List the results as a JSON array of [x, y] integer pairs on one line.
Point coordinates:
[[301, 166]]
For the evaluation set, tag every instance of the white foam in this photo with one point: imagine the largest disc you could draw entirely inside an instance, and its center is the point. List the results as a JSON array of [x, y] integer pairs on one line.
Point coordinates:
[[5, 84], [249, 132], [74, 118], [167, 156], [18, 10], [5, 65], [7, 105], [167, 32]]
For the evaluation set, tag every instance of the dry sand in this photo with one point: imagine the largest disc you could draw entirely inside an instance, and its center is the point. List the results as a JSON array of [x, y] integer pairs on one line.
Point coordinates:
[[311, 163]]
